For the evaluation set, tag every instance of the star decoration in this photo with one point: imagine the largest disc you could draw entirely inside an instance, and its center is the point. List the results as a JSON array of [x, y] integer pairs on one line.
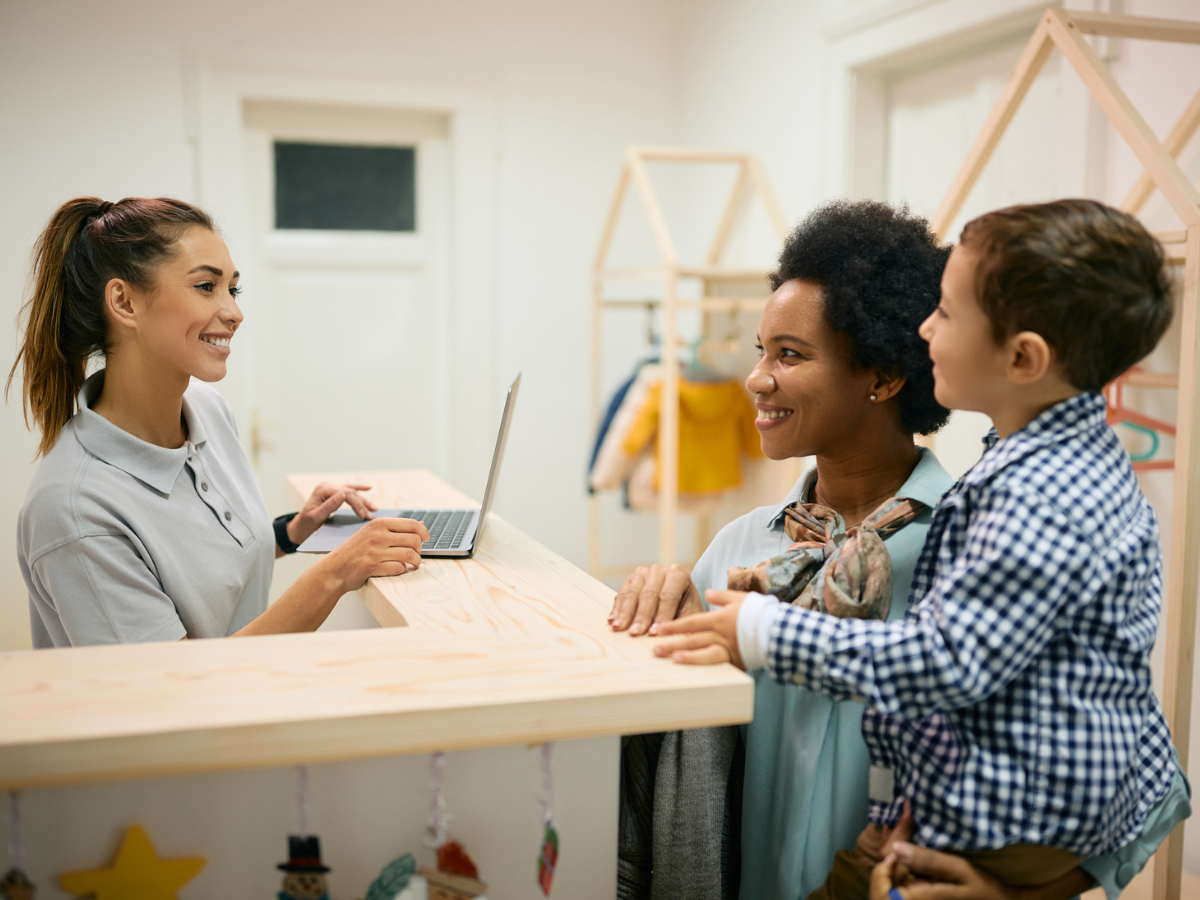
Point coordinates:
[[136, 874]]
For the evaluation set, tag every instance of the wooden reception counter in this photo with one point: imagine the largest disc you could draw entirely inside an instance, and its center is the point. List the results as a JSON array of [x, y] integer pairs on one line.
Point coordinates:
[[508, 647]]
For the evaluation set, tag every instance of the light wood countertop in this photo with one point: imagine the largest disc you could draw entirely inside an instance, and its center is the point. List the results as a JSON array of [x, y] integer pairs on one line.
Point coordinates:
[[509, 647]]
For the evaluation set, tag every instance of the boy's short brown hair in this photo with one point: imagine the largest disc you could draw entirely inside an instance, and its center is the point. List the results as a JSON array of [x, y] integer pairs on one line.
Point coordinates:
[[1088, 278]]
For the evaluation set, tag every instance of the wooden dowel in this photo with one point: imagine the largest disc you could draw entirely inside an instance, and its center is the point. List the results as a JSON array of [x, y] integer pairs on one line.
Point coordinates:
[[1028, 67], [1183, 560], [685, 154], [770, 199], [1174, 142], [1170, 179], [668, 430], [658, 224], [610, 224], [1176, 31], [733, 210]]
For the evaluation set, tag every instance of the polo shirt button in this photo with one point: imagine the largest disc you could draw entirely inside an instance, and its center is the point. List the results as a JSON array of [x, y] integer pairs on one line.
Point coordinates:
[[228, 516], [798, 678], [204, 485]]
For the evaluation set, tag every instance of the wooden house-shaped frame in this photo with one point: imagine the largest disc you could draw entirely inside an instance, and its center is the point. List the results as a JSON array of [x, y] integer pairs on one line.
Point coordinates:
[[723, 288], [1065, 30]]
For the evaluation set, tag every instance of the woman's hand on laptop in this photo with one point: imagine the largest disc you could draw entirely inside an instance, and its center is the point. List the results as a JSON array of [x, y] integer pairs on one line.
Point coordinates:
[[325, 500], [382, 547], [654, 594]]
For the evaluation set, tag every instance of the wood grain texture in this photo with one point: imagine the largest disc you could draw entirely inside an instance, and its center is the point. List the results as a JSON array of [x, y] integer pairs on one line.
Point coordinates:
[[509, 647]]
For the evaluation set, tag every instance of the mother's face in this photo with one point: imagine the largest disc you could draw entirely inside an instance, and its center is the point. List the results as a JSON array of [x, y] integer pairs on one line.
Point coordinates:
[[811, 400]]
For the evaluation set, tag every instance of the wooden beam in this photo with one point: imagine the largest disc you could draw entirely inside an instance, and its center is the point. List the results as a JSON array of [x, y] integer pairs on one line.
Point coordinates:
[[686, 154], [610, 224], [1183, 560], [658, 223], [668, 427], [1162, 168], [733, 209], [1176, 31], [1028, 67], [1174, 142], [770, 199]]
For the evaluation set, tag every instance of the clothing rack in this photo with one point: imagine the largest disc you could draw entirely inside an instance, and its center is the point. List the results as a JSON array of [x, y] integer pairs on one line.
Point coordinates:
[[1065, 31], [723, 288]]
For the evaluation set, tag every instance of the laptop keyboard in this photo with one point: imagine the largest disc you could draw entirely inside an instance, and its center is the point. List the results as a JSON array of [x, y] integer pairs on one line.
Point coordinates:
[[446, 526]]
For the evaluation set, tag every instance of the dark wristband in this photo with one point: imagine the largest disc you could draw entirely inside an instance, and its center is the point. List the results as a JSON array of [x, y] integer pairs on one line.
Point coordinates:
[[281, 534]]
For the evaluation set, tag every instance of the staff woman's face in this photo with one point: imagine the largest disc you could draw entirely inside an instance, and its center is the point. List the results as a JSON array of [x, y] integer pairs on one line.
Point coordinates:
[[810, 399], [187, 319]]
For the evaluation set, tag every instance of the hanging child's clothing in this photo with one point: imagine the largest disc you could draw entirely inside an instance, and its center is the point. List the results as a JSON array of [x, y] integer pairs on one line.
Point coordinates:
[[716, 425]]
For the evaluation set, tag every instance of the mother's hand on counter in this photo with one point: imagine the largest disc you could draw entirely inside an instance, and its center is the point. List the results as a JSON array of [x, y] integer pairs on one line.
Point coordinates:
[[324, 501], [654, 594], [381, 547]]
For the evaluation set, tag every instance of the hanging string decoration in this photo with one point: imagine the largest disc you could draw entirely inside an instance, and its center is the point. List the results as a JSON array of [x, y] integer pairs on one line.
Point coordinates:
[[456, 876], [136, 874], [15, 885], [304, 873], [548, 858]]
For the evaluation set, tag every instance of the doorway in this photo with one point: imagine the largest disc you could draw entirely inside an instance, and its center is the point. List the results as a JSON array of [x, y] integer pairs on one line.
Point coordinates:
[[346, 295]]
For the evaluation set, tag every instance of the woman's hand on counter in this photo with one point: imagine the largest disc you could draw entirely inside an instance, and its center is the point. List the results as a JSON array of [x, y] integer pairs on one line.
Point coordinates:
[[652, 595], [324, 501], [381, 547]]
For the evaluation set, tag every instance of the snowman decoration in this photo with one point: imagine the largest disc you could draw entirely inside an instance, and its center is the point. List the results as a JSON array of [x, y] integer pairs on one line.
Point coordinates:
[[304, 877]]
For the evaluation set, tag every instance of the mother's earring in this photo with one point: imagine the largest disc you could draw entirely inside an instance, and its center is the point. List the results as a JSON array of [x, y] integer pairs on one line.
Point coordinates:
[[874, 396]]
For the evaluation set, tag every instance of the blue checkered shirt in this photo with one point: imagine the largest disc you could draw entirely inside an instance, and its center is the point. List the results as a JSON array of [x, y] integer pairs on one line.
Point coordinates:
[[1014, 703]]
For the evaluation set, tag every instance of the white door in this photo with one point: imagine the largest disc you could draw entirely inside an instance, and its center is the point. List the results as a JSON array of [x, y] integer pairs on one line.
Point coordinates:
[[349, 327], [934, 113]]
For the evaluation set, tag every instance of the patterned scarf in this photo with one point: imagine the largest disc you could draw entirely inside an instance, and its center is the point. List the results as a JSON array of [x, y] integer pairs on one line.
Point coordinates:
[[840, 571]]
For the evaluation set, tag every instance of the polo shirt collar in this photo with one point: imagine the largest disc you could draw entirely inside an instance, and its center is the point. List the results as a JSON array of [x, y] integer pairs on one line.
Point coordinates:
[[1062, 421], [158, 467], [926, 484]]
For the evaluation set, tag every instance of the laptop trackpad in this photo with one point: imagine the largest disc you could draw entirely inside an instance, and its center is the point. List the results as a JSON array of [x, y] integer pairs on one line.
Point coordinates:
[[338, 528]]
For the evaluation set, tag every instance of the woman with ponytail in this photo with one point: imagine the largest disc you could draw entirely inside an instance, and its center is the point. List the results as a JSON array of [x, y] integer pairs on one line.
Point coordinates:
[[144, 520]]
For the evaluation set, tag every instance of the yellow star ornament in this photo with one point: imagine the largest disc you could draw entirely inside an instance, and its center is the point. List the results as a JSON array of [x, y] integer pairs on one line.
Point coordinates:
[[136, 874]]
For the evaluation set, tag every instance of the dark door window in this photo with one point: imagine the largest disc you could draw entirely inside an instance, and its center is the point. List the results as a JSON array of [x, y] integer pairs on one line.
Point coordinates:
[[340, 187]]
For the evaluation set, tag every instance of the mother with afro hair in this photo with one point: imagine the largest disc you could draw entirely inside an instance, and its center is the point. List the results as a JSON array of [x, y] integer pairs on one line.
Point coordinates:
[[842, 377]]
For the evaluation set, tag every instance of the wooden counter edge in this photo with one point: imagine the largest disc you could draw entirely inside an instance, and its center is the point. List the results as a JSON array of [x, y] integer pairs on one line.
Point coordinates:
[[267, 745]]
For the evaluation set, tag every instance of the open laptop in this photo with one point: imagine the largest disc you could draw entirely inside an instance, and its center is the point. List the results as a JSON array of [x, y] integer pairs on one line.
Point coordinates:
[[452, 532]]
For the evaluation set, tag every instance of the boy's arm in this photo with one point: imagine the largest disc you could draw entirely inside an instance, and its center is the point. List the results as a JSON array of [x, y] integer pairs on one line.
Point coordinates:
[[994, 609], [977, 628]]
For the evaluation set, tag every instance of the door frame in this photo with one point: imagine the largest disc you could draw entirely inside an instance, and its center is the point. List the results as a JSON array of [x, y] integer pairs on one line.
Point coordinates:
[[216, 91], [866, 47]]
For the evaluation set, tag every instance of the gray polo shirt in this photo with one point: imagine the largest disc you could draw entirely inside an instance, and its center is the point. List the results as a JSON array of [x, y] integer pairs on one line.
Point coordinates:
[[122, 541]]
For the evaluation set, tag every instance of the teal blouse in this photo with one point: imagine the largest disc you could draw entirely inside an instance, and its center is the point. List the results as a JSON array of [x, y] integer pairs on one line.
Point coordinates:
[[805, 791]]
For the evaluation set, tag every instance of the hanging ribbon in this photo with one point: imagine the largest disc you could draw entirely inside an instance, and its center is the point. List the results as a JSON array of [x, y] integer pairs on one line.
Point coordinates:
[[548, 858], [302, 799], [439, 819], [15, 883], [16, 854]]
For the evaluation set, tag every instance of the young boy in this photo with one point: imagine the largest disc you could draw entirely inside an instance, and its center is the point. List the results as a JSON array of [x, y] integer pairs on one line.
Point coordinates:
[[1013, 706]]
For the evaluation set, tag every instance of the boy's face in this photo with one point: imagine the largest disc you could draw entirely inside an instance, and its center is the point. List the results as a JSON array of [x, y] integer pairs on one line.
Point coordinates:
[[968, 367]]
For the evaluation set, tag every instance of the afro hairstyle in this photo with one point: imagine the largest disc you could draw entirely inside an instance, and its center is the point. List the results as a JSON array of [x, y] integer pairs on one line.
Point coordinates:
[[880, 269]]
